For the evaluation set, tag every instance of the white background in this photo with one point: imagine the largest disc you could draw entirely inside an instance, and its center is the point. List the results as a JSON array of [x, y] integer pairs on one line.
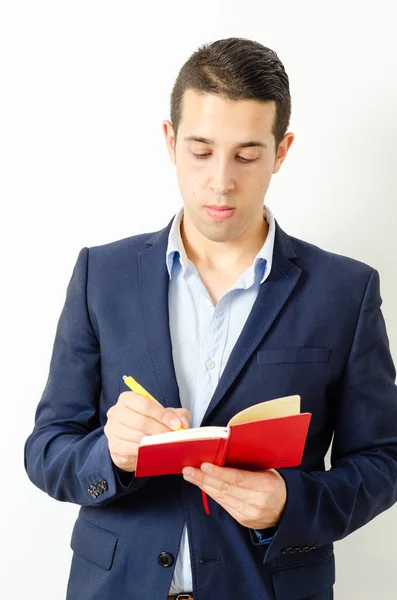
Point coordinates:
[[84, 89]]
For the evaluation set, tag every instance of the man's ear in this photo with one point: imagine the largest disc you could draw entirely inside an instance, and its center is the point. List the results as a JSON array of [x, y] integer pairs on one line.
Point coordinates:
[[282, 151], [168, 130]]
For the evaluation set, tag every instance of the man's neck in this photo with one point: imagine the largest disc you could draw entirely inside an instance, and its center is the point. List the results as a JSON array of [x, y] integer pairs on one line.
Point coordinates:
[[218, 256]]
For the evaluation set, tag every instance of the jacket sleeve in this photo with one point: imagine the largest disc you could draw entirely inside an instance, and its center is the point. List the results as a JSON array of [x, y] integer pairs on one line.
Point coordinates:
[[67, 454], [323, 507]]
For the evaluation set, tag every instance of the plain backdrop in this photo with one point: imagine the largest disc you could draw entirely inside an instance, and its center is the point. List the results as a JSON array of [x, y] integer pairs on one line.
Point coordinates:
[[84, 89]]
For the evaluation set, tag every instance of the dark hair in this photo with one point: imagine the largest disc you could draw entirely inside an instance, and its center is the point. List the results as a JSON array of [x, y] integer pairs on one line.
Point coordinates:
[[235, 69]]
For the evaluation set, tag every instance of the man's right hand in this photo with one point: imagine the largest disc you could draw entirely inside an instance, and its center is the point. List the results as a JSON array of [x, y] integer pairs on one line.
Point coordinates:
[[134, 416]]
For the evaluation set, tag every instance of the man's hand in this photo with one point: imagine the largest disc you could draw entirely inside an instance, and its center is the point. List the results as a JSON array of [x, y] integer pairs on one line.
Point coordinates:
[[255, 500], [134, 416]]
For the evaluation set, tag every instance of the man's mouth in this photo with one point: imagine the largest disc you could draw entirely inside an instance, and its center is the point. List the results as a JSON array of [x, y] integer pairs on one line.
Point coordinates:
[[219, 213]]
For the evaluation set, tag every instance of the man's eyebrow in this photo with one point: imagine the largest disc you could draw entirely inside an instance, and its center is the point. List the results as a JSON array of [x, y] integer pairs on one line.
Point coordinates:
[[197, 138]]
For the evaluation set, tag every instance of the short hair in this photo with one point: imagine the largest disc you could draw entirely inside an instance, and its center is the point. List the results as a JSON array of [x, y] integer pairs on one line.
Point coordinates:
[[236, 69]]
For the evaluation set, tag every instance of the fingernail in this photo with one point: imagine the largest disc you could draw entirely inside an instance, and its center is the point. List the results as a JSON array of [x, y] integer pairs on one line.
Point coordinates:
[[175, 423], [206, 468]]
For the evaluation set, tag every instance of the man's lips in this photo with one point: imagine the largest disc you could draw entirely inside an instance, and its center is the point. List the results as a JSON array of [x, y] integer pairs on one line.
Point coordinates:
[[216, 207], [219, 213]]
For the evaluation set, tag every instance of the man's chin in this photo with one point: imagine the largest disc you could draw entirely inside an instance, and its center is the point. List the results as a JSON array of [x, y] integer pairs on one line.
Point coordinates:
[[217, 236]]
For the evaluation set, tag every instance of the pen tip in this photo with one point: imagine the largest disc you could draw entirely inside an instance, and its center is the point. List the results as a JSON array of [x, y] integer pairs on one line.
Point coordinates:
[[124, 376]]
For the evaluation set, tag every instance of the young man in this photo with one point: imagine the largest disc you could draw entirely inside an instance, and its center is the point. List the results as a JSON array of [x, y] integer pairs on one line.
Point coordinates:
[[219, 310]]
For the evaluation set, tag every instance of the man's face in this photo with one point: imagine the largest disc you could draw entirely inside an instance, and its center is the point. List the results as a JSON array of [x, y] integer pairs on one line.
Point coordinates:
[[220, 171]]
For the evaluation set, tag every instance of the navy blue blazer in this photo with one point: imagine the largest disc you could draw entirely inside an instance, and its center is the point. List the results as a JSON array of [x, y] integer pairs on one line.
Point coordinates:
[[316, 329]]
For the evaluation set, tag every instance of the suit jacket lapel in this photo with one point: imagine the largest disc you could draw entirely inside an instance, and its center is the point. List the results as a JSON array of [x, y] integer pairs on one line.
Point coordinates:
[[273, 294], [153, 284]]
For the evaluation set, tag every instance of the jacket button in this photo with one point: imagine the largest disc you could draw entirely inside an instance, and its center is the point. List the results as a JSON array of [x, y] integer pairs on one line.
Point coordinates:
[[165, 559], [286, 550], [103, 484]]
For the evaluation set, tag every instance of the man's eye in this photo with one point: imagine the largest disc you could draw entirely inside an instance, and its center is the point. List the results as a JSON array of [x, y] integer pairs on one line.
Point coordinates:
[[244, 160], [200, 155]]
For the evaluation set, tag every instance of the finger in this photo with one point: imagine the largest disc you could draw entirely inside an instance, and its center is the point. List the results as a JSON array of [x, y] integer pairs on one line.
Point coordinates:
[[123, 448], [236, 515], [148, 408], [134, 422], [121, 431], [184, 415], [225, 489], [243, 507], [249, 480], [149, 426], [244, 510]]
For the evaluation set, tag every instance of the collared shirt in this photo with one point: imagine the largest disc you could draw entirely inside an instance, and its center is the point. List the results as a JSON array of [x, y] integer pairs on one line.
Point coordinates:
[[203, 336]]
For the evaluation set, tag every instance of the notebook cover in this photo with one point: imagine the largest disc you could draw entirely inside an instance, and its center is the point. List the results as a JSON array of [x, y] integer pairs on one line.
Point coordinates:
[[170, 458], [268, 444]]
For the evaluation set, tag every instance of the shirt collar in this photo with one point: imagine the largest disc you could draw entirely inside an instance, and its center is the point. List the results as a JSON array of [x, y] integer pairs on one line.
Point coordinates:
[[175, 246], [176, 249]]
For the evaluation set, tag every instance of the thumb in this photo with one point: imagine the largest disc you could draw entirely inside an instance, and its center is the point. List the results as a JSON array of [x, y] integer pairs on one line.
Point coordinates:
[[184, 415]]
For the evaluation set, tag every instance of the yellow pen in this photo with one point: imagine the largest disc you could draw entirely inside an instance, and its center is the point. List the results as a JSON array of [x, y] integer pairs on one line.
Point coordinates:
[[136, 387]]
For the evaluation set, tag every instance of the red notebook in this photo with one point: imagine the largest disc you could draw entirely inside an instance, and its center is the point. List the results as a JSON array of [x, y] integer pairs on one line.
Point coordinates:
[[268, 435]]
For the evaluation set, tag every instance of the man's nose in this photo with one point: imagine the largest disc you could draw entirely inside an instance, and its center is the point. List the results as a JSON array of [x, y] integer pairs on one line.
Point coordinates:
[[222, 180]]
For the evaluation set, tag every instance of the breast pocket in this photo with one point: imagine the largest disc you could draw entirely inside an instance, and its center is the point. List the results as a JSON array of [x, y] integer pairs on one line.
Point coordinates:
[[293, 354]]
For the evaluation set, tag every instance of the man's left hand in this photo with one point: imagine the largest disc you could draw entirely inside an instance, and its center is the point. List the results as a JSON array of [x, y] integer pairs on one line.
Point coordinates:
[[255, 499]]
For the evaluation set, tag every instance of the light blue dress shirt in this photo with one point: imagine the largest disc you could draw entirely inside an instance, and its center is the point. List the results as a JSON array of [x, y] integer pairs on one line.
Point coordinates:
[[203, 337]]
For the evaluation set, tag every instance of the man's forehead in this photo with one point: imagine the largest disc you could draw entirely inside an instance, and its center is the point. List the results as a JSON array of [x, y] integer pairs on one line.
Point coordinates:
[[248, 118]]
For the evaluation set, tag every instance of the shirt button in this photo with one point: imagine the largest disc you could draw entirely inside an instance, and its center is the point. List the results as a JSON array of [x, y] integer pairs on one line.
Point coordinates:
[[210, 364]]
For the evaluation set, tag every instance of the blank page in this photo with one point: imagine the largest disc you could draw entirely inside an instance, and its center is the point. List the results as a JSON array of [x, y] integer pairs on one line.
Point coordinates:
[[280, 407]]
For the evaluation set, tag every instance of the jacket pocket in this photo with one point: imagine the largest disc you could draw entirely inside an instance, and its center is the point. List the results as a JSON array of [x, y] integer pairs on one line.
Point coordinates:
[[292, 355], [93, 543], [298, 582]]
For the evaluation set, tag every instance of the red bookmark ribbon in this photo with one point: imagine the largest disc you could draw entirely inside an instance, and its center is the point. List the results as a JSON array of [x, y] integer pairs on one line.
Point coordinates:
[[205, 502]]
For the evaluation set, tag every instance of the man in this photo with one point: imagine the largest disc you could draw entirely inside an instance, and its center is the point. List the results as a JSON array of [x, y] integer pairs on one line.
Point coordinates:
[[219, 310]]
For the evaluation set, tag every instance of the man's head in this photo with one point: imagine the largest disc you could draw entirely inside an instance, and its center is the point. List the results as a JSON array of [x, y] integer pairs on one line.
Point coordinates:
[[231, 106]]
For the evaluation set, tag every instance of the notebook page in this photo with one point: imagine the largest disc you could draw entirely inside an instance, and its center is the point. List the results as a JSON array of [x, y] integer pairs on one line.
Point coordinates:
[[280, 407], [195, 433]]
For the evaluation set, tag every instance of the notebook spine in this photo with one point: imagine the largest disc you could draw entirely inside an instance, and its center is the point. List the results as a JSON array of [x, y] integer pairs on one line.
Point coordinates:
[[221, 455], [220, 460]]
